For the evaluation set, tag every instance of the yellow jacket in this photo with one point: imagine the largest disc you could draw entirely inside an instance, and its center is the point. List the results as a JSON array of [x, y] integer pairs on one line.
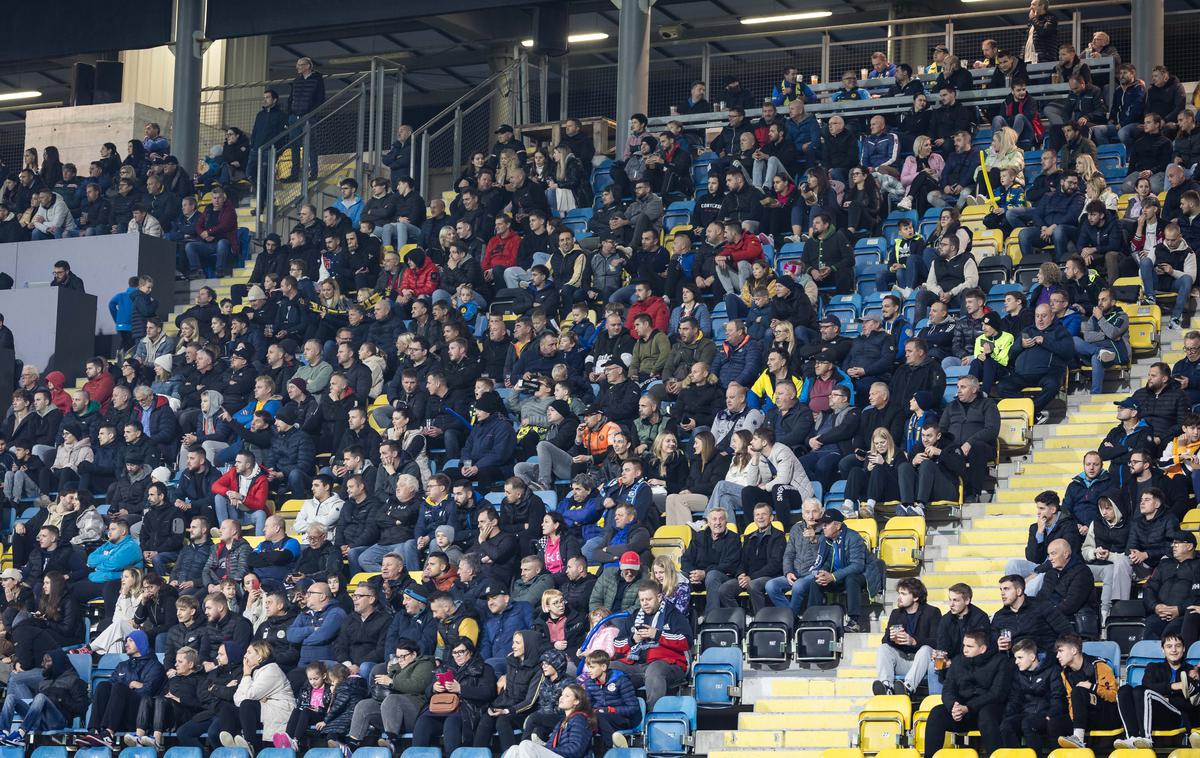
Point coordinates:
[[1000, 347]]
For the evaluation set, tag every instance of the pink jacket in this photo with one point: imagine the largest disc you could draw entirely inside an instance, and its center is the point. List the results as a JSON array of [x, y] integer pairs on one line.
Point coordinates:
[[909, 171]]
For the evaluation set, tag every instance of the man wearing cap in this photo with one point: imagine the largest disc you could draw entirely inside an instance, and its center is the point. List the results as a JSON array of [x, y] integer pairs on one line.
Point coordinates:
[[415, 622], [487, 455], [1173, 588], [1129, 435], [652, 644], [127, 495], [618, 395], [616, 587], [830, 340], [505, 618], [871, 356], [839, 567]]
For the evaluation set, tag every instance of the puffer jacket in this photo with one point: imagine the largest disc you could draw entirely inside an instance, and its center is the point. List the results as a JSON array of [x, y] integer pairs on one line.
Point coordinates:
[[616, 695], [1153, 536], [523, 678], [1038, 692], [979, 681], [341, 707], [1083, 494], [1174, 583]]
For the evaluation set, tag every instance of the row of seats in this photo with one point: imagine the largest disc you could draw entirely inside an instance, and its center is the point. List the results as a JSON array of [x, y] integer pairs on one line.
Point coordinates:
[[58, 751]]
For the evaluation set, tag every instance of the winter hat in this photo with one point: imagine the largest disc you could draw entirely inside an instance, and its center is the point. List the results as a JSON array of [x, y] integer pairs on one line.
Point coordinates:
[[141, 640], [162, 474], [992, 319], [556, 659], [489, 402], [234, 650], [301, 384], [272, 237], [256, 293], [650, 140], [163, 362], [75, 429], [287, 414], [445, 529], [924, 399], [630, 560], [561, 407]]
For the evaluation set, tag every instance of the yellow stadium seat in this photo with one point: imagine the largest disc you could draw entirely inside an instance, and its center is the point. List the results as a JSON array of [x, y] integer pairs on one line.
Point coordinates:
[[901, 542], [254, 541], [359, 578], [1130, 281], [1015, 752], [406, 249], [1072, 752], [1145, 325], [868, 529], [1184, 752], [679, 229], [291, 506], [1123, 202], [898, 752], [973, 212], [956, 752], [883, 722], [1016, 425], [1131, 753], [679, 535], [921, 720], [1191, 520]]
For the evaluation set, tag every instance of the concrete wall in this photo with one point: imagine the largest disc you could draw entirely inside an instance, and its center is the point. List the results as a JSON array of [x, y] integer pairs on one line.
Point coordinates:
[[79, 131], [52, 328], [104, 263]]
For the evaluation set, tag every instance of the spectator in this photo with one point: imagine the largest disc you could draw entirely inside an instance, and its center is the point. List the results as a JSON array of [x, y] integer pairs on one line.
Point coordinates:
[[1036, 705], [1042, 356], [1093, 706], [1139, 705], [652, 644], [973, 696]]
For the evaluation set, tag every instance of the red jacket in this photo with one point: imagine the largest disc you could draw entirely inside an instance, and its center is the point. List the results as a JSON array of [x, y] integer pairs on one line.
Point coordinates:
[[222, 225], [749, 250], [422, 281], [501, 251], [655, 308], [100, 389], [256, 496], [61, 400]]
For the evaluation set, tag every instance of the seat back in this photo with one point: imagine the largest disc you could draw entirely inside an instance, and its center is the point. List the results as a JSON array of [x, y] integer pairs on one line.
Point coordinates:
[[180, 751], [323, 752], [883, 722], [670, 726], [129, 752], [722, 628], [230, 752], [285, 752], [372, 752], [58, 751], [1015, 752], [818, 637], [1072, 752], [471, 752], [1106, 649], [92, 752], [422, 752], [625, 752]]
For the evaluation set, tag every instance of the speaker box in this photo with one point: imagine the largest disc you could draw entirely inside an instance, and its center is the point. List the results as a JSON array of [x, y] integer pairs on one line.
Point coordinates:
[[550, 30], [108, 81], [83, 84]]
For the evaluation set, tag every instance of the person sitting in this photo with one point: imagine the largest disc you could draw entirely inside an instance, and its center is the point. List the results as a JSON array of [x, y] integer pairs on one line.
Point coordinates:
[[1171, 590], [61, 696], [170, 710], [907, 647], [1091, 691], [973, 696], [1162, 697], [840, 566], [930, 474], [1053, 522], [1042, 355], [612, 694], [116, 701], [652, 644], [262, 701], [467, 675], [522, 678], [1036, 703]]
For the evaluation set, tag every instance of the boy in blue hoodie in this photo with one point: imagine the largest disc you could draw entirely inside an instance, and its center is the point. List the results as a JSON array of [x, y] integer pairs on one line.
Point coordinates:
[[120, 307], [117, 701]]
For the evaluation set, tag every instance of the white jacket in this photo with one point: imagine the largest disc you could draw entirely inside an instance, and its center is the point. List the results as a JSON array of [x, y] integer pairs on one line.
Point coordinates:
[[150, 227], [787, 470], [57, 217], [325, 513], [268, 685]]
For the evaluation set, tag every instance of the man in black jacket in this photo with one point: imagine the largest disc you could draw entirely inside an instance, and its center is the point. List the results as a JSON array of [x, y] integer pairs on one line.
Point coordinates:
[[1052, 523], [1036, 702], [1150, 531], [1160, 697], [1024, 616], [951, 118], [273, 629], [908, 640], [762, 554], [713, 558], [930, 473], [163, 525], [307, 94], [973, 697], [359, 643], [1068, 582], [269, 123], [1162, 405], [961, 616], [1173, 587]]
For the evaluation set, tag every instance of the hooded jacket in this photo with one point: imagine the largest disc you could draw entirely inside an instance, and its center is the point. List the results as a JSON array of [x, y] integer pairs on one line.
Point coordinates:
[[523, 677], [62, 686], [979, 681], [111, 559], [144, 668], [268, 685], [1037, 693], [1098, 672], [1083, 495]]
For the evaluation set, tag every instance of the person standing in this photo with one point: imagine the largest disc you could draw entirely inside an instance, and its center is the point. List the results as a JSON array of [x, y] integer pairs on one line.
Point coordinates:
[[307, 94]]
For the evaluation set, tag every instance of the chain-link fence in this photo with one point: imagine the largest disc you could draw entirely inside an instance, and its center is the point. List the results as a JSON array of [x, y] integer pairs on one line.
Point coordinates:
[[1180, 32], [12, 144]]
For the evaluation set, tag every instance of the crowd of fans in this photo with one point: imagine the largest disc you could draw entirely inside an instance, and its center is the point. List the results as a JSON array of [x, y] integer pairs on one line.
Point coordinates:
[[492, 410]]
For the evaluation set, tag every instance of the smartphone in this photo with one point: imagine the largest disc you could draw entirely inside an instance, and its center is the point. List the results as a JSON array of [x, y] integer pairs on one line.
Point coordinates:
[[255, 584], [445, 677], [860, 453]]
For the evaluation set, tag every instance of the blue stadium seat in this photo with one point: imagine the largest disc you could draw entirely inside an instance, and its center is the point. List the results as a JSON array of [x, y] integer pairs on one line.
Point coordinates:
[[230, 752], [284, 752], [718, 678], [471, 752], [1193, 653], [892, 222], [421, 752], [836, 494], [58, 751], [179, 751], [371, 752], [323, 752], [12, 751], [671, 725], [129, 752], [93, 752], [1106, 649], [878, 245], [625, 752], [1116, 148], [866, 277], [1143, 654], [678, 212]]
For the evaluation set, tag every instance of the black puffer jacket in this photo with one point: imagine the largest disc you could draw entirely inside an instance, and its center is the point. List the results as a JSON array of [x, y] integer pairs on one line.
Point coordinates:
[[1070, 588], [523, 679], [1037, 693], [1153, 536], [1173, 583], [978, 682]]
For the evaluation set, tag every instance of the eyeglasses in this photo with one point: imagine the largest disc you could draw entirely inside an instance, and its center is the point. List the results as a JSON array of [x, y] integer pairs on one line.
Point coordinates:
[[358, 595], [315, 592], [460, 652]]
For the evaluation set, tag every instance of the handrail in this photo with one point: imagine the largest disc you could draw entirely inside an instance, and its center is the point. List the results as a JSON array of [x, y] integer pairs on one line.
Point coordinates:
[[454, 105]]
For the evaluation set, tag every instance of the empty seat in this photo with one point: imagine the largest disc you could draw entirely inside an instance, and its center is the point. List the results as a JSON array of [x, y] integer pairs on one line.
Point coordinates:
[[718, 680], [671, 726], [883, 722], [902, 542], [722, 627], [819, 634], [769, 636]]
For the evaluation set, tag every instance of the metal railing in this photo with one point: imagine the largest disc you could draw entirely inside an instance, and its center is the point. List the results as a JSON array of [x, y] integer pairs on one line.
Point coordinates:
[[345, 136]]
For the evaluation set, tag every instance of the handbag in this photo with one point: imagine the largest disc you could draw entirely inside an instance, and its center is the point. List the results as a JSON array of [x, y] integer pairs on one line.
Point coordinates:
[[443, 703]]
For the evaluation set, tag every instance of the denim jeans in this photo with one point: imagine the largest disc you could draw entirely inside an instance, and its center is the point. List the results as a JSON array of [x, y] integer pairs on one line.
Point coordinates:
[[1017, 217], [1031, 241], [220, 251], [38, 234], [804, 587], [399, 233], [21, 685], [1019, 124], [1023, 567], [1092, 353], [371, 558], [41, 715], [226, 511], [1154, 282], [1109, 133]]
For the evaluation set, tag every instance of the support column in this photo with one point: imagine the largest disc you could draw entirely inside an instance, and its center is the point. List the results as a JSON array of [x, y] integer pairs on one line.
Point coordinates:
[[1147, 36], [189, 26], [633, 64], [502, 107]]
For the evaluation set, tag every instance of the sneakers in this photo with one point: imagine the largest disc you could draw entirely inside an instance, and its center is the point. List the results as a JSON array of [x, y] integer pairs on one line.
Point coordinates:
[[1175, 323], [917, 509], [882, 688], [227, 740], [1194, 740], [149, 741], [89, 740], [620, 740], [852, 626], [1125, 744], [699, 525], [238, 741], [1070, 741], [13, 739], [1143, 743], [1107, 356], [903, 510], [536, 738], [132, 740], [1043, 418]]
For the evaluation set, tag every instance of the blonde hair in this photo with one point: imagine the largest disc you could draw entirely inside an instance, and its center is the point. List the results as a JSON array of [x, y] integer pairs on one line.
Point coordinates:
[[670, 573], [656, 450], [1088, 170], [137, 581], [561, 154], [920, 142], [261, 649], [1050, 273], [882, 433], [1004, 141], [547, 596]]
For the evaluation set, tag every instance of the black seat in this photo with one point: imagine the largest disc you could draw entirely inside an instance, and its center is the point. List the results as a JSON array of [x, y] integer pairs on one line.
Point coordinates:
[[1126, 624], [819, 634], [769, 636], [723, 627]]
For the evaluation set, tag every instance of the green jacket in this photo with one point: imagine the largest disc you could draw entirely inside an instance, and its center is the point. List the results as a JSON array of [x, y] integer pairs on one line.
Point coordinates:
[[1000, 347], [413, 680], [650, 355], [604, 594]]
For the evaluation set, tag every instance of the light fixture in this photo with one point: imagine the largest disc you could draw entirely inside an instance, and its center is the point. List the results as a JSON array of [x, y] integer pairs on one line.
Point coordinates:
[[805, 16], [22, 95], [582, 37]]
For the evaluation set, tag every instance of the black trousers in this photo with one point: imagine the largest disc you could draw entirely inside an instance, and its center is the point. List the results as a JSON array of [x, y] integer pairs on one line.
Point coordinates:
[[503, 725], [987, 721], [1036, 730], [782, 498], [114, 707], [160, 715], [1089, 715], [1143, 710]]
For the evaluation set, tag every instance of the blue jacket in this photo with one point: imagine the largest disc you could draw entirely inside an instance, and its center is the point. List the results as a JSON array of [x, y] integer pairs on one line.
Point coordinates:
[[638, 495], [1128, 104], [421, 629], [1058, 208], [353, 211], [1107, 237], [272, 567], [491, 442], [120, 307], [880, 150], [315, 631], [1083, 495], [145, 669], [496, 638], [292, 450], [109, 560], [572, 738], [844, 556], [781, 94], [741, 364], [142, 307], [616, 696], [582, 515], [960, 169], [1056, 352], [433, 515], [1184, 367], [808, 131], [843, 380]]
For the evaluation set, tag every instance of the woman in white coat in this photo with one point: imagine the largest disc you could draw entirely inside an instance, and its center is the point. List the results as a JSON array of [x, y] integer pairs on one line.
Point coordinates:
[[263, 698]]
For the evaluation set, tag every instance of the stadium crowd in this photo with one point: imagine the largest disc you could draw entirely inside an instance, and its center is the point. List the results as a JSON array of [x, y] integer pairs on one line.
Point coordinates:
[[491, 410]]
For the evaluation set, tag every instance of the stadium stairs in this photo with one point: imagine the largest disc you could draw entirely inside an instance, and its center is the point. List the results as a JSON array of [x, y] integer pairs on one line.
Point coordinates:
[[800, 713]]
